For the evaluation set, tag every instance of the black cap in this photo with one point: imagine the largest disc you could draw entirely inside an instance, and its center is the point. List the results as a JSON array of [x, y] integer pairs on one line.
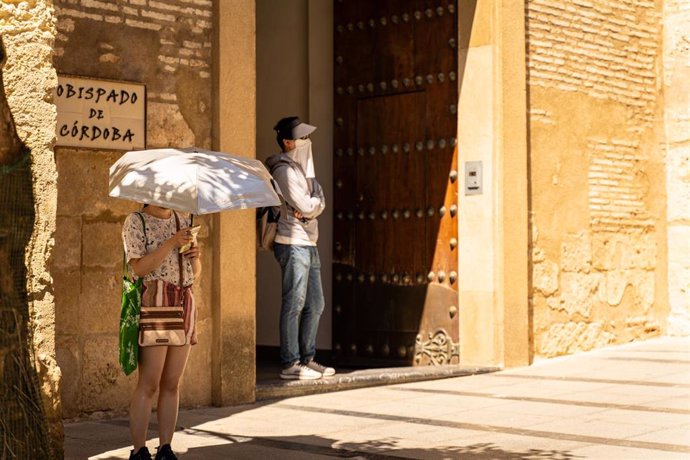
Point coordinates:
[[293, 128]]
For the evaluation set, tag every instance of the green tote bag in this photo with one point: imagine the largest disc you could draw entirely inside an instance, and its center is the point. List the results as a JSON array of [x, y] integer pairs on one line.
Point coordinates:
[[129, 318]]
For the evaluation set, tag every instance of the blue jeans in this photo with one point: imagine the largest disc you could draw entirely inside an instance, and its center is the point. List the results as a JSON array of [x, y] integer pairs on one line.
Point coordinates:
[[302, 303]]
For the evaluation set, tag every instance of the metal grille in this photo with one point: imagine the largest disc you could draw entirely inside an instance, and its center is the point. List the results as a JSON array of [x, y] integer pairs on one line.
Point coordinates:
[[23, 431]]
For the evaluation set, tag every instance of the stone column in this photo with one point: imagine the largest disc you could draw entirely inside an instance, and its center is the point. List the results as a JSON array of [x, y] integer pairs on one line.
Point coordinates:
[[677, 148], [28, 33], [512, 180], [493, 239], [233, 239], [479, 327]]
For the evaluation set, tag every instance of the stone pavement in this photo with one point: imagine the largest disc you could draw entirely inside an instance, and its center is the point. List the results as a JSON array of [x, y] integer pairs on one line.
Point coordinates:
[[624, 402]]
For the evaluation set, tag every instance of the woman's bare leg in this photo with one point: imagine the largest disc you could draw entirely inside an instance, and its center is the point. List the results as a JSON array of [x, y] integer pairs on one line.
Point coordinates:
[[169, 392], [151, 363]]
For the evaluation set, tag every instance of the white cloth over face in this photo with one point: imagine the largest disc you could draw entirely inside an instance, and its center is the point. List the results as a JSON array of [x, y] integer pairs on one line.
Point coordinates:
[[302, 155]]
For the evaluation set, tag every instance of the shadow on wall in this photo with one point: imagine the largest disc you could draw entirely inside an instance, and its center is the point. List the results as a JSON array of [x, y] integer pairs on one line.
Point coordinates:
[[23, 432]]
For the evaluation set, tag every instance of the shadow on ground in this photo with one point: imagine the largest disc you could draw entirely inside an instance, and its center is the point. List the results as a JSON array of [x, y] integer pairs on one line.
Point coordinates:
[[318, 447], [114, 435]]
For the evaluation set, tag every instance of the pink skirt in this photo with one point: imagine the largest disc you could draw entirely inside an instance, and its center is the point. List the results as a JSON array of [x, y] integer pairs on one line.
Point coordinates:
[[159, 293]]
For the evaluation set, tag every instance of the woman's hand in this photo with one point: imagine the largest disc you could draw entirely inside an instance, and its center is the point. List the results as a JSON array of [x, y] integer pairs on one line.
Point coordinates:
[[181, 238], [193, 253], [297, 214], [194, 256]]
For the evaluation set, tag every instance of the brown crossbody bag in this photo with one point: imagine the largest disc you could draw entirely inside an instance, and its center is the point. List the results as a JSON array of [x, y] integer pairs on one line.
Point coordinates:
[[164, 324]]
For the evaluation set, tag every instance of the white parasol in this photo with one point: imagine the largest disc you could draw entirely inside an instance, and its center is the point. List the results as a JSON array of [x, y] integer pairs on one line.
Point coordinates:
[[192, 180]]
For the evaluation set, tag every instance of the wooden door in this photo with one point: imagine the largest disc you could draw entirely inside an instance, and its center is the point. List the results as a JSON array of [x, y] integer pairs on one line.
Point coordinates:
[[395, 175]]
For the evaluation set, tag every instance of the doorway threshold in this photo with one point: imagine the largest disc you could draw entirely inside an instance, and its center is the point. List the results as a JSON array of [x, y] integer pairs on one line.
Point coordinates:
[[361, 378]]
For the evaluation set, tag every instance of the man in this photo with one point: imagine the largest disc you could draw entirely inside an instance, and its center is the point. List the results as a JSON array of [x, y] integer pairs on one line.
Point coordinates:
[[296, 252]]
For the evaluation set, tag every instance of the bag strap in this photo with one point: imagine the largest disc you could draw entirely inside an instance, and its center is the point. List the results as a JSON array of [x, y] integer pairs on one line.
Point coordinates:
[[179, 254], [146, 242], [290, 163]]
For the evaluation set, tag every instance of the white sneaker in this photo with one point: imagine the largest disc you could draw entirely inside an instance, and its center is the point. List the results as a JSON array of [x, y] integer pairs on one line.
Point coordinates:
[[300, 372], [323, 370]]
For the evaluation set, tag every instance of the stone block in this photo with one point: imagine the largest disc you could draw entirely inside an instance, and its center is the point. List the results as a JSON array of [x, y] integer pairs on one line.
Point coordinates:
[[104, 385], [679, 279], [203, 285], [678, 183], [82, 181], [644, 289], [616, 283], [102, 243], [195, 388], [68, 355], [571, 337], [66, 288], [538, 255], [641, 327], [576, 253], [545, 278], [579, 292], [205, 231], [606, 251], [99, 302], [642, 252], [166, 127], [67, 249]]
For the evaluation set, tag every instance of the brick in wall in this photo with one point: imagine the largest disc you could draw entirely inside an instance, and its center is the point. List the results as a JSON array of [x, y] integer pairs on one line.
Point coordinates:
[[605, 49], [184, 28], [616, 186]]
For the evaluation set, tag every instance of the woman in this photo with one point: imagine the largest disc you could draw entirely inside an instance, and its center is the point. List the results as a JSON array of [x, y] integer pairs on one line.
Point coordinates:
[[156, 258]]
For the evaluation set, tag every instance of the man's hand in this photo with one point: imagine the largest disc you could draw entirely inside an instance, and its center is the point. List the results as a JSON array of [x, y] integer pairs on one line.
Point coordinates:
[[297, 214]]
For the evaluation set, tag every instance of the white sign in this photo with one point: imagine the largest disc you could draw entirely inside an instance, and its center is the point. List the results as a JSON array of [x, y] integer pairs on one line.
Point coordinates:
[[100, 114]]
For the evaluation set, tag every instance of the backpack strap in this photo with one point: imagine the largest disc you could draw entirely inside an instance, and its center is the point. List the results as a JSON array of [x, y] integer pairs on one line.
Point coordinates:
[[294, 165]]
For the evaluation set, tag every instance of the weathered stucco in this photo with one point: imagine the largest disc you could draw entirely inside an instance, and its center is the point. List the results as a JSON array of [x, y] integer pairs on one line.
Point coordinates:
[[677, 150], [166, 46], [607, 99], [597, 174], [28, 31]]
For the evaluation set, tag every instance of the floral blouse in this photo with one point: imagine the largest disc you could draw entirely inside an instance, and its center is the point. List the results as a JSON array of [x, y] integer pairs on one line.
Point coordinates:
[[157, 232]]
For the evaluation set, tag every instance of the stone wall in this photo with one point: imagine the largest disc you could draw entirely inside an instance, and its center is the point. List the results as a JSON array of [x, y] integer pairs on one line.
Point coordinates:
[[167, 46], [598, 215], [28, 32], [677, 149]]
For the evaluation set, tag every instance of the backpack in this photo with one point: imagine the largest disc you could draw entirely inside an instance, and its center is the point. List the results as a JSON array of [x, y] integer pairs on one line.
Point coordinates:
[[266, 227], [267, 224]]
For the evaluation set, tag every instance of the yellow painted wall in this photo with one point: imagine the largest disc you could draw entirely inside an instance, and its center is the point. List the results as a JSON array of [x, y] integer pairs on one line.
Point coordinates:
[[597, 183]]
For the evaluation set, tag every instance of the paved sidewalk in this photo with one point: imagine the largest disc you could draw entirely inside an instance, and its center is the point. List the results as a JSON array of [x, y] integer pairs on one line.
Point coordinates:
[[624, 402]]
